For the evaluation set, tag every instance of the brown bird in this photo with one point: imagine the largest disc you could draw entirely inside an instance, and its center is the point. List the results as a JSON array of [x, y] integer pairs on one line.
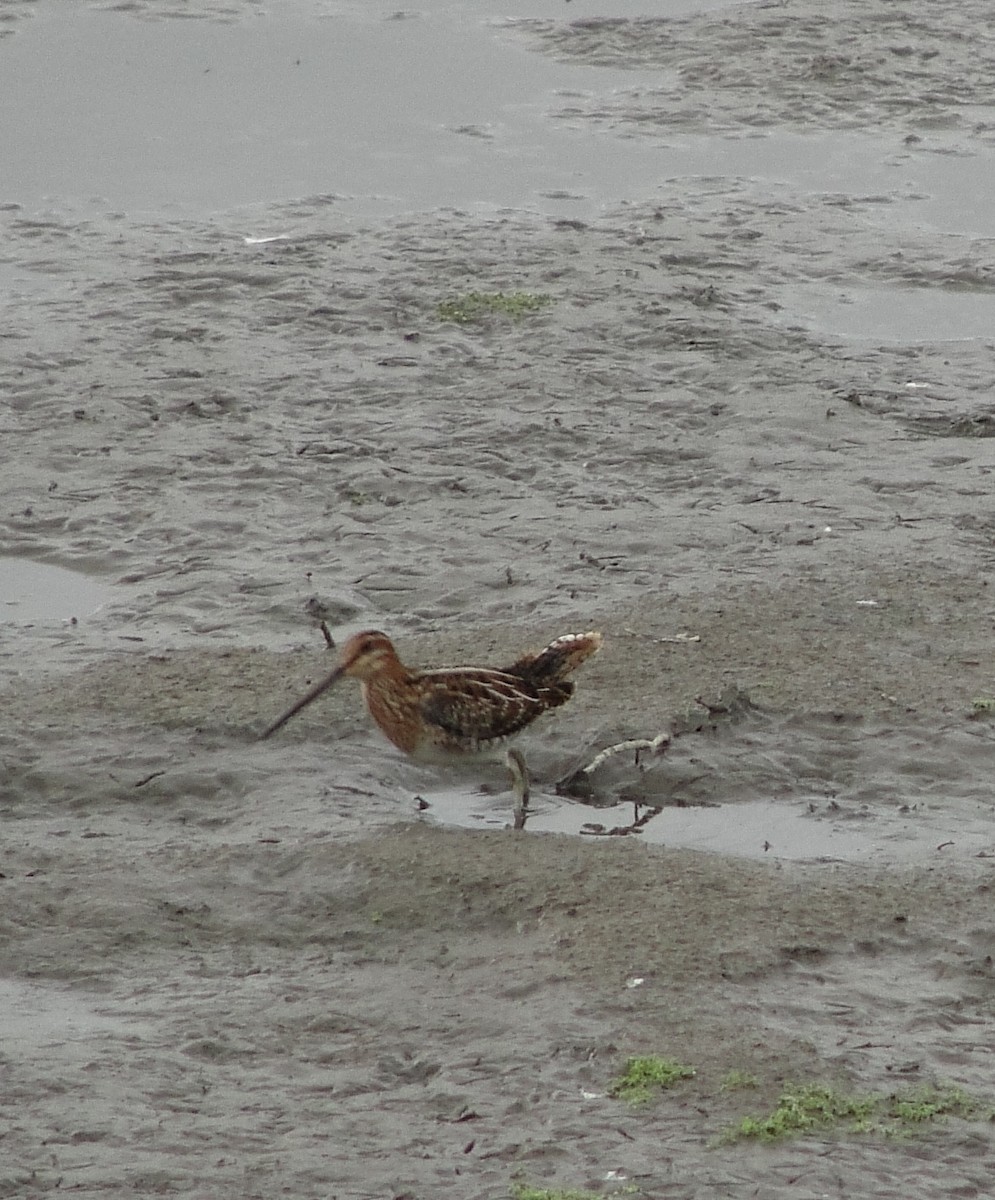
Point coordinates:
[[456, 712]]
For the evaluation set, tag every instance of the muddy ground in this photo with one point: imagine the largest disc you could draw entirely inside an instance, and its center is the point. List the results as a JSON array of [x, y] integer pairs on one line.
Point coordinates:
[[249, 970]]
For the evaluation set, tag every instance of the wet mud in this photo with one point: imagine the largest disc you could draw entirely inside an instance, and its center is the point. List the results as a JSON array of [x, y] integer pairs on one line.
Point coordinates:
[[310, 967]]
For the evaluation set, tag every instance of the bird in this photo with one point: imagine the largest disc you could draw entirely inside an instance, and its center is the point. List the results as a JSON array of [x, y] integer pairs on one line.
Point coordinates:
[[452, 713]]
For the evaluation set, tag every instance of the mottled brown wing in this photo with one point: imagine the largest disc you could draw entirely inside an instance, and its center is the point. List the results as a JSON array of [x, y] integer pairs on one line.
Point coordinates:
[[471, 708]]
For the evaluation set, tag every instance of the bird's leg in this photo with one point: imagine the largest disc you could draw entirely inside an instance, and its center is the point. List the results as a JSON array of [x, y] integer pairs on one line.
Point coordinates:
[[520, 782]]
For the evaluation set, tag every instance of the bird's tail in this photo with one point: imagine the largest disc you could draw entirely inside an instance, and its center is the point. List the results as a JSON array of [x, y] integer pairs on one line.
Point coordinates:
[[560, 659]]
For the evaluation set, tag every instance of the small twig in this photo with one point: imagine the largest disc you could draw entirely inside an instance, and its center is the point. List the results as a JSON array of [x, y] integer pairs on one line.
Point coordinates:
[[149, 778], [326, 633], [637, 826], [679, 639], [657, 745]]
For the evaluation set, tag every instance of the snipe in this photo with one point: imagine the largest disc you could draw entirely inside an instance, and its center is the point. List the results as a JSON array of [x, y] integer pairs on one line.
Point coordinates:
[[455, 712]]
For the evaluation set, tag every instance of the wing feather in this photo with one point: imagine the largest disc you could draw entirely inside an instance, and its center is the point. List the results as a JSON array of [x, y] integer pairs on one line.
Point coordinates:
[[470, 708]]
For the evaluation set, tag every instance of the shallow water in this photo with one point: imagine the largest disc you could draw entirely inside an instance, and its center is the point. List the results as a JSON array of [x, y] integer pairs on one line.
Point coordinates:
[[759, 829], [378, 112], [380, 116], [381, 112], [893, 183], [895, 314], [32, 591]]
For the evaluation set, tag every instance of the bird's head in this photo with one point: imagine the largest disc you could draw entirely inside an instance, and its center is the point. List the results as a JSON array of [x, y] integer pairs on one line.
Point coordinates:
[[365, 655]]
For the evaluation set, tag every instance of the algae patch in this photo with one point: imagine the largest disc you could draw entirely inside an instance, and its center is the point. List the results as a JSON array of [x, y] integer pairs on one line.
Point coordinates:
[[476, 306], [646, 1074], [816, 1107]]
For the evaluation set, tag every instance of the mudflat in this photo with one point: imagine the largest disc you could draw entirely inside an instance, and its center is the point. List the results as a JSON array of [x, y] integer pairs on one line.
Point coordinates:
[[233, 968]]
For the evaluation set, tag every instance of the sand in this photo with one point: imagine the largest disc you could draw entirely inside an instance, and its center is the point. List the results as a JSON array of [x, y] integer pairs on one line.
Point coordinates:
[[232, 968]]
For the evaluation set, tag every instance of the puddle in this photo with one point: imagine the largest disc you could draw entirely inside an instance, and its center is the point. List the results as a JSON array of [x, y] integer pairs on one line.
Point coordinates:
[[762, 829], [819, 787], [897, 314], [31, 592]]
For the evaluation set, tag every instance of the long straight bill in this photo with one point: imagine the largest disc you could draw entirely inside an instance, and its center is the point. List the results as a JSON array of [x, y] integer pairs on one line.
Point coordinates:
[[322, 686]]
